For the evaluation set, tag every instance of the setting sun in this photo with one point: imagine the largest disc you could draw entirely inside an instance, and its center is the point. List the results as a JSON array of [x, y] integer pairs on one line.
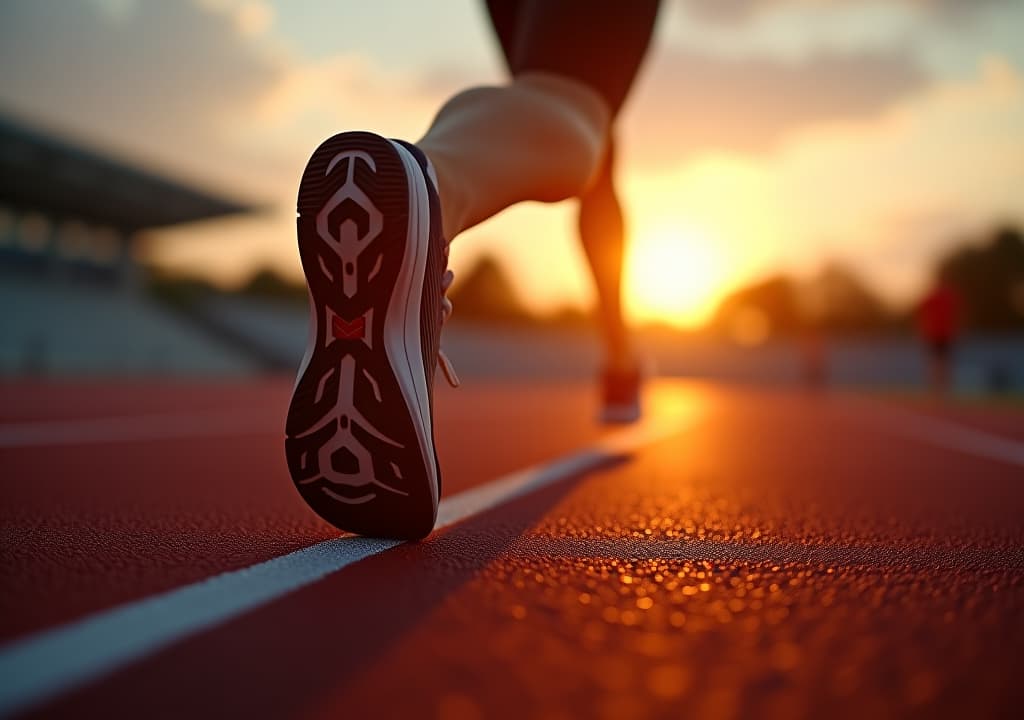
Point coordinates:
[[673, 275]]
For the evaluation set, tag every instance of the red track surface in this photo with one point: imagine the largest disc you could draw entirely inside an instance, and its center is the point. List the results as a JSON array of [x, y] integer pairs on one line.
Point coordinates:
[[789, 555]]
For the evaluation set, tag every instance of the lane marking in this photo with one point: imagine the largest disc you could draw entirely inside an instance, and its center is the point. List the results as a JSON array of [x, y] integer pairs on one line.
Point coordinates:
[[58, 660], [133, 428], [952, 435]]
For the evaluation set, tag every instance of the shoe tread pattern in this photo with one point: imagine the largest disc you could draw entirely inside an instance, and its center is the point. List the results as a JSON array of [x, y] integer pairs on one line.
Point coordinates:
[[351, 445]]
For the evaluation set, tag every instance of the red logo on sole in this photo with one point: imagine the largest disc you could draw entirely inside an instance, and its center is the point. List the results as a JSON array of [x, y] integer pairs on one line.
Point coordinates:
[[345, 330]]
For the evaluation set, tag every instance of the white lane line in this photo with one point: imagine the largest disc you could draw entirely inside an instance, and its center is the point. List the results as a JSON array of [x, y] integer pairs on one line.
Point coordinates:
[[133, 428], [55, 661], [952, 435]]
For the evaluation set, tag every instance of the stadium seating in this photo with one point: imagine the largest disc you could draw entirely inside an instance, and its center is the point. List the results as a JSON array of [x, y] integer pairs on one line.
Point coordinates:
[[52, 328]]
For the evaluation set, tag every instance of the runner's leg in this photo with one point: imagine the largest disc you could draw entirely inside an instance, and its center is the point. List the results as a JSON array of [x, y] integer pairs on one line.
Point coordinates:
[[538, 138], [602, 233], [528, 41], [542, 136]]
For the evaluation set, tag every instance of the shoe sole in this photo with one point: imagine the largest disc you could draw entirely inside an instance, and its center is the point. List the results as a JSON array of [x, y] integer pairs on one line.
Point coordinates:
[[359, 436]]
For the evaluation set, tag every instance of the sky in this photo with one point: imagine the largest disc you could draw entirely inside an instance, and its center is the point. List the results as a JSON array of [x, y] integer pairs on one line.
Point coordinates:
[[761, 136]]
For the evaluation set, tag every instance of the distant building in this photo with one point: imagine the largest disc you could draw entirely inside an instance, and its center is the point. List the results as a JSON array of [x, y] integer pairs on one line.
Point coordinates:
[[70, 219], [69, 210]]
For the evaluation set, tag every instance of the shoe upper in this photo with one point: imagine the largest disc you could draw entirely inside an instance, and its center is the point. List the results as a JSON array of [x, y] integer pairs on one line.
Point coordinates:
[[620, 396]]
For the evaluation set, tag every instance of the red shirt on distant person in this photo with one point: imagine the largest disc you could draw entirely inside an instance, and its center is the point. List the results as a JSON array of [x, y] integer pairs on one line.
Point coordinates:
[[939, 315]]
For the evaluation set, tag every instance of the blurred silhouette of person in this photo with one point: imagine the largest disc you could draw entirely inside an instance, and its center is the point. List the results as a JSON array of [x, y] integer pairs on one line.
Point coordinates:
[[813, 348], [939, 325], [376, 216]]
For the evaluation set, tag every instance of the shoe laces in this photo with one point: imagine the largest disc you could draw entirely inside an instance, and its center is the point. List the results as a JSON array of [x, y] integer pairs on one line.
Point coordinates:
[[446, 312]]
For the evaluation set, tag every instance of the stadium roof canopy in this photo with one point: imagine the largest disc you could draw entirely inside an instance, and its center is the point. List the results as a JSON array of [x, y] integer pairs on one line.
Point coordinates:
[[44, 174]]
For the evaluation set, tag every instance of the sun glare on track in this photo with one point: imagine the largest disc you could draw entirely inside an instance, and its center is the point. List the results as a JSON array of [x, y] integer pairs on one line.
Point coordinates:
[[672, 276]]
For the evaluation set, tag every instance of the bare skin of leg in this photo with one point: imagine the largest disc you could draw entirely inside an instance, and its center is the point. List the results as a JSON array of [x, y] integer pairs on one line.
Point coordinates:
[[602, 233], [541, 137]]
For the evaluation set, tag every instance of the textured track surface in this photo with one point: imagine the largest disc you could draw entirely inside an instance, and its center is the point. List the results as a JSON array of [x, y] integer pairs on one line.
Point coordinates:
[[785, 556]]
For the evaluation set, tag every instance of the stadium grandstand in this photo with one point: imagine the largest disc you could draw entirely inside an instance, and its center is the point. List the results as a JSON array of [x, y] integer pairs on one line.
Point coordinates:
[[71, 286]]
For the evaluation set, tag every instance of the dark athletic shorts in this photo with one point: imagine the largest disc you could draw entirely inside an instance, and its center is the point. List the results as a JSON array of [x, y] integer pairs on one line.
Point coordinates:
[[598, 42]]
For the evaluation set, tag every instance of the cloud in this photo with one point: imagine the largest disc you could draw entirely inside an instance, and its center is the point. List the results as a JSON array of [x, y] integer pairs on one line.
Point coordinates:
[[693, 102], [203, 88], [250, 17], [886, 194], [734, 12], [895, 191], [316, 98], [161, 78]]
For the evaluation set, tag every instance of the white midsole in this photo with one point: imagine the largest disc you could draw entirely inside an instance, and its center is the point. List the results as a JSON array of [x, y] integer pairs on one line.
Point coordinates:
[[402, 326]]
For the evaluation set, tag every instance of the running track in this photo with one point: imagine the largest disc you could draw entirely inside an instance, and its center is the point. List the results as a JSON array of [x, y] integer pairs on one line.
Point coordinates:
[[744, 553]]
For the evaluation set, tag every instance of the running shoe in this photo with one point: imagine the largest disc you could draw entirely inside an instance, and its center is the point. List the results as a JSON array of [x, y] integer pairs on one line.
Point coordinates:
[[359, 434], [620, 396]]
